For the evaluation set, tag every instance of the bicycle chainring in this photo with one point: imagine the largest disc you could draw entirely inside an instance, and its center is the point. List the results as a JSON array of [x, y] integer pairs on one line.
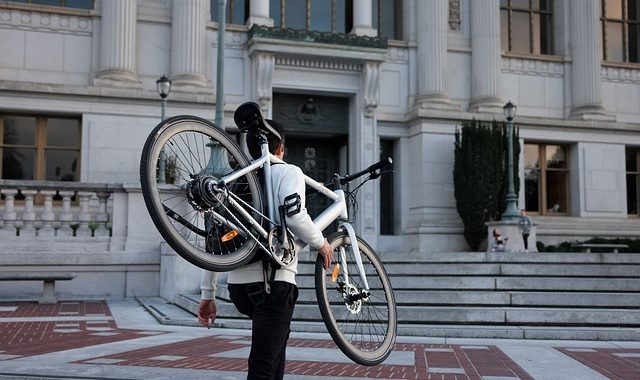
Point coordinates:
[[281, 254]]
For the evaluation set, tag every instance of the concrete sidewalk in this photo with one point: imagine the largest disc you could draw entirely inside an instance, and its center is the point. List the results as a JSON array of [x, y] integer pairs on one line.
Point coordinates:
[[119, 339]]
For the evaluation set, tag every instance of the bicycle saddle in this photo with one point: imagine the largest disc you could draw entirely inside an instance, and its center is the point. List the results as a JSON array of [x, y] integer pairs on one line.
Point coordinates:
[[248, 117]]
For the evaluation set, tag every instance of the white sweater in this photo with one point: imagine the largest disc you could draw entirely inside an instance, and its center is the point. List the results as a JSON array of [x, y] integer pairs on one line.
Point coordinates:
[[286, 179]]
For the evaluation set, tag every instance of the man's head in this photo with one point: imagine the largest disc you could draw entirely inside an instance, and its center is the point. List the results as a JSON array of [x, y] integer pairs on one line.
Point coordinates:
[[275, 144]]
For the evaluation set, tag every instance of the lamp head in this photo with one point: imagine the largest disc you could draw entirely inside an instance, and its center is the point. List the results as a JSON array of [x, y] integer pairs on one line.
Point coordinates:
[[509, 110], [163, 85]]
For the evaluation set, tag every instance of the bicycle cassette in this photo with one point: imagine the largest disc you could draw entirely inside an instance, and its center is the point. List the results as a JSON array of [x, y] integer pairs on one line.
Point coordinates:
[[282, 252]]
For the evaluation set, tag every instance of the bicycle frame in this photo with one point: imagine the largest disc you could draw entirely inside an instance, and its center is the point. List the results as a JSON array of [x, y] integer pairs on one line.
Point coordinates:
[[336, 211]]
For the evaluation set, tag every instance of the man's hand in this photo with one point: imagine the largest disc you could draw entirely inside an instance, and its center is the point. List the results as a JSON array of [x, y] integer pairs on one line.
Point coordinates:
[[327, 254], [207, 312]]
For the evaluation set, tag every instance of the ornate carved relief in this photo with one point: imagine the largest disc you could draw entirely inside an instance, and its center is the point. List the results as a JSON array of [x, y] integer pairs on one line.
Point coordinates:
[[318, 64], [397, 54], [371, 85], [532, 67], [454, 14], [263, 64], [46, 21], [620, 74]]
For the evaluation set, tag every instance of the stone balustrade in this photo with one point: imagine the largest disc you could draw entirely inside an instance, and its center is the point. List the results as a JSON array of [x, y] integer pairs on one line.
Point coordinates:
[[56, 209]]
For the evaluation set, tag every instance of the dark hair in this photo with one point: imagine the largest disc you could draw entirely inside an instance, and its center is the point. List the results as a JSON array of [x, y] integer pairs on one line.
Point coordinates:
[[253, 140]]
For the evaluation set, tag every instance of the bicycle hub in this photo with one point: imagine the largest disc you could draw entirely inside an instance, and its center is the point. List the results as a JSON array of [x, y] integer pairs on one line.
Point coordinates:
[[200, 194]]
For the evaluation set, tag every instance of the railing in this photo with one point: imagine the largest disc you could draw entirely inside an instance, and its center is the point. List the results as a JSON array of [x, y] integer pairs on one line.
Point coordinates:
[[51, 208]]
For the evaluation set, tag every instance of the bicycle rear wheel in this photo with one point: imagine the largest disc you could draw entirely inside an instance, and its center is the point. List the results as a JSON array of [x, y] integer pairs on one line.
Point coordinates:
[[181, 155], [362, 325]]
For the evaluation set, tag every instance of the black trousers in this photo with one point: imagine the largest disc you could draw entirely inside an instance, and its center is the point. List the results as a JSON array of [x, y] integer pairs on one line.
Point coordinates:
[[525, 238], [271, 321]]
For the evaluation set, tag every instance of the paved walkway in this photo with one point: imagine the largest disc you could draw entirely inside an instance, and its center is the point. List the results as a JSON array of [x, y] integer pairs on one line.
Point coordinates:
[[118, 339]]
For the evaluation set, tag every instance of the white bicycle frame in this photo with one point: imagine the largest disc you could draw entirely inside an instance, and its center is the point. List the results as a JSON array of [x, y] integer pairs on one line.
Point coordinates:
[[336, 211]]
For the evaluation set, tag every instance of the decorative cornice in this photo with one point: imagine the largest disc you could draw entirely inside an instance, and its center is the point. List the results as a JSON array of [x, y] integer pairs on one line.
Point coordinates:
[[532, 67], [620, 74], [317, 37], [50, 22], [318, 64]]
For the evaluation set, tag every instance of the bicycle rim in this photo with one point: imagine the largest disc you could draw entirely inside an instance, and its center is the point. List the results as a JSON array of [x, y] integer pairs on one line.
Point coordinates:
[[365, 330], [212, 236]]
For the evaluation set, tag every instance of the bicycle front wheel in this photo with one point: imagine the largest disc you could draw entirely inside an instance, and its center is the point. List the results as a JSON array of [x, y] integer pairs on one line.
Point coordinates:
[[181, 155], [362, 323]]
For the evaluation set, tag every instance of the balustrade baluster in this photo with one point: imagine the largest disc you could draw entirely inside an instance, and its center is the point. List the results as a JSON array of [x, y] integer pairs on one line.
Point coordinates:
[[9, 214], [47, 217], [65, 216], [85, 216], [29, 214], [102, 216]]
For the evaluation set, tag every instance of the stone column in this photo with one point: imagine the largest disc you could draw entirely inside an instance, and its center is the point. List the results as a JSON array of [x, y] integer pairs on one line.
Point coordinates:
[[188, 43], [366, 152], [586, 57], [432, 30], [118, 41], [363, 18], [486, 58], [259, 13]]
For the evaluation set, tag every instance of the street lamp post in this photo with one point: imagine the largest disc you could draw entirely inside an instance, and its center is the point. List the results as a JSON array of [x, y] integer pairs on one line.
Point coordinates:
[[511, 211], [163, 85]]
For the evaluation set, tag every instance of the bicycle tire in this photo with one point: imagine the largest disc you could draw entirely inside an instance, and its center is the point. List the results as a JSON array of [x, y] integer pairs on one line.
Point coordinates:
[[370, 340], [196, 147]]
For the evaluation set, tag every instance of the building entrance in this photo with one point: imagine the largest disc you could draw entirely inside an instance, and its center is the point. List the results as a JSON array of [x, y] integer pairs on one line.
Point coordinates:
[[316, 130]]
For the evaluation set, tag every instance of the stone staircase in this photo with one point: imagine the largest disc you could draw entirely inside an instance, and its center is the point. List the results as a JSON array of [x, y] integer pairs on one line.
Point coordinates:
[[591, 296]]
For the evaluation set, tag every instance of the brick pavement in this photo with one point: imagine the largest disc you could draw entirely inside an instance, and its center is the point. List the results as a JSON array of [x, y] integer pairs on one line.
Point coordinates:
[[28, 330], [614, 363]]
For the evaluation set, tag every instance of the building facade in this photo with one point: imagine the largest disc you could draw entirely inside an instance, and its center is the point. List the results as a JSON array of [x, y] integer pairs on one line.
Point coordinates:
[[353, 80]]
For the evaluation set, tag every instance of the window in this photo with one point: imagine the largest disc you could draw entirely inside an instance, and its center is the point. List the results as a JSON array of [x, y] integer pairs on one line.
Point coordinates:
[[79, 4], [333, 16], [527, 26], [387, 211], [387, 18], [620, 30], [237, 11], [546, 174], [633, 179], [39, 147]]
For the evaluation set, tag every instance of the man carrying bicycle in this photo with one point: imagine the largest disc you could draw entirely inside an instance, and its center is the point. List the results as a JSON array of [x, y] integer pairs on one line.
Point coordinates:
[[271, 312]]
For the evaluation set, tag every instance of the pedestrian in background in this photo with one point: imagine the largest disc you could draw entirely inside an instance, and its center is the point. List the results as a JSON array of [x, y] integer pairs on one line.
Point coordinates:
[[525, 224]]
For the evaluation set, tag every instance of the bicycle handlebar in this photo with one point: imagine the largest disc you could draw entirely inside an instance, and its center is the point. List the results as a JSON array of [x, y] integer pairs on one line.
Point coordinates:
[[372, 170]]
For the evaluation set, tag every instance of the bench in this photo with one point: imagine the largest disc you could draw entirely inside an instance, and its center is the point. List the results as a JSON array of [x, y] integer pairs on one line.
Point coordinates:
[[587, 247], [49, 279]]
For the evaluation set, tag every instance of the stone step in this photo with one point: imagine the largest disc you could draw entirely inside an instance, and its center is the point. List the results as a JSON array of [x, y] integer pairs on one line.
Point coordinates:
[[493, 257], [504, 269], [502, 283], [466, 315], [444, 330], [492, 298]]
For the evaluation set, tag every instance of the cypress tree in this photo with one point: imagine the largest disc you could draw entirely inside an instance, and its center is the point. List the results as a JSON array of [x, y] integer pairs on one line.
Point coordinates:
[[480, 175]]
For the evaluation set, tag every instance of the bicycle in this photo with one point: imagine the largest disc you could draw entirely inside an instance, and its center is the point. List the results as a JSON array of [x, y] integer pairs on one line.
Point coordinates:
[[213, 215]]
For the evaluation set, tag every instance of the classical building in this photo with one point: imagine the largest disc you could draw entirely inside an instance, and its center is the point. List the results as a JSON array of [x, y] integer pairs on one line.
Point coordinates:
[[353, 80]]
